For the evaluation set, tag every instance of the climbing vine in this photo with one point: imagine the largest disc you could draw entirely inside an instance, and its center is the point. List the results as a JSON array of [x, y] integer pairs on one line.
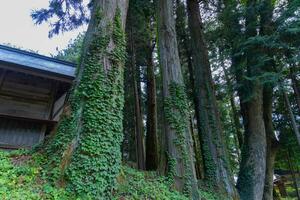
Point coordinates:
[[85, 151], [176, 113]]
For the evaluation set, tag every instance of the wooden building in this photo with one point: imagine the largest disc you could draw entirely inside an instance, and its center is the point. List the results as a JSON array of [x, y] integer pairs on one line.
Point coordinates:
[[33, 89]]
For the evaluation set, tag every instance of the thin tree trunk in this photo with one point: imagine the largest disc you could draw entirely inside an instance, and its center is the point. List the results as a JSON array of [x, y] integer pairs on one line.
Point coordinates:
[[140, 149], [291, 114], [295, 85], [178, 147], [198, 164], [216, 163], [151, 137]]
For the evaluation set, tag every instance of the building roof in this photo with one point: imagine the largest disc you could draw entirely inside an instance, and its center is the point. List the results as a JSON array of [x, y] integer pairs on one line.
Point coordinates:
[[34, 62]]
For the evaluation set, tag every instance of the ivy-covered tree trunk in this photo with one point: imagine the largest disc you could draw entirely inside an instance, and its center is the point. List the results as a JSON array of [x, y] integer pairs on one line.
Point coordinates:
[[251, 177], [185, 56], [85, 151], [176, 129], [151, 137], [216, 164]]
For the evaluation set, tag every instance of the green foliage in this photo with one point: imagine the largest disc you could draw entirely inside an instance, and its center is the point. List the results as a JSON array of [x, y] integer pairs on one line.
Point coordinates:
[[20, 179], [85, 151], [73, 50], [96, 162], [135, 185], [211, 195]]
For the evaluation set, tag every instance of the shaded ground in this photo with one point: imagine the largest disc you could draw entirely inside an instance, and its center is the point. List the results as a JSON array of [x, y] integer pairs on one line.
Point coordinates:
[[21, 177]]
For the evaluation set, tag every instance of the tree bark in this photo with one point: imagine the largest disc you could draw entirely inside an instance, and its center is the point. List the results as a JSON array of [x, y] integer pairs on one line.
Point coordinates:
[[186, 58], [180, 163], [216, 164], [266, 28], [272, 143], [253, 165], [197, 150], [140, 149], [138, 121], [151, 136], [92, 123]]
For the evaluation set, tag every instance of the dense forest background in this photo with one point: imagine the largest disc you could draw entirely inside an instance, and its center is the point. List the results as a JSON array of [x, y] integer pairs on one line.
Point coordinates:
[[204, 94]]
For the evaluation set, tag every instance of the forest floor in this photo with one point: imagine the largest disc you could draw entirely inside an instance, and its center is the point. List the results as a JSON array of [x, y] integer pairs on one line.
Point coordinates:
[[21, 178]]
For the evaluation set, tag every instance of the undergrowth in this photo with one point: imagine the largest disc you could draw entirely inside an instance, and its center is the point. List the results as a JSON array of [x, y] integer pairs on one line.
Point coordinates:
[[21, 178]]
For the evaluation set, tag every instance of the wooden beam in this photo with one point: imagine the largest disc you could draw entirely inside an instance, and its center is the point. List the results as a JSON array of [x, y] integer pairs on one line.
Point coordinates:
[[43, 121], [49, 75]]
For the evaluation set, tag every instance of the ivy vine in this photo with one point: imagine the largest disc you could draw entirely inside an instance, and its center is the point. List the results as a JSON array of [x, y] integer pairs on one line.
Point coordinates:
[[85, 151], [176, 113]]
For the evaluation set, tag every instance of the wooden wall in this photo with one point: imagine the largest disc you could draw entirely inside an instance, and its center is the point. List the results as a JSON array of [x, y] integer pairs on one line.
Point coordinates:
[[24, 96]]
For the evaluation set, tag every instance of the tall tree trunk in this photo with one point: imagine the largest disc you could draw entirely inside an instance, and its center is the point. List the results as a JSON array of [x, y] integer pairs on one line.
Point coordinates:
[[272, 143], [129, 130], [138, 121], [151, 137], [92, 124], [140, 149], [216, 164], [180, 164], [185, 56], [253, 165], [266, 28]]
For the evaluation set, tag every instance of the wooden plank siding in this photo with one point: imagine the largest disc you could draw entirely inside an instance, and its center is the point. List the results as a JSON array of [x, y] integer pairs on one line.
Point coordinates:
[[33, 89], [29, 105], [24, 95], [19, 133]]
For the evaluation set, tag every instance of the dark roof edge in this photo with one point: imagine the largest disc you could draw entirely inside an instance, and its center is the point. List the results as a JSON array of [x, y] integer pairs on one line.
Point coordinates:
[[37, 55]]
